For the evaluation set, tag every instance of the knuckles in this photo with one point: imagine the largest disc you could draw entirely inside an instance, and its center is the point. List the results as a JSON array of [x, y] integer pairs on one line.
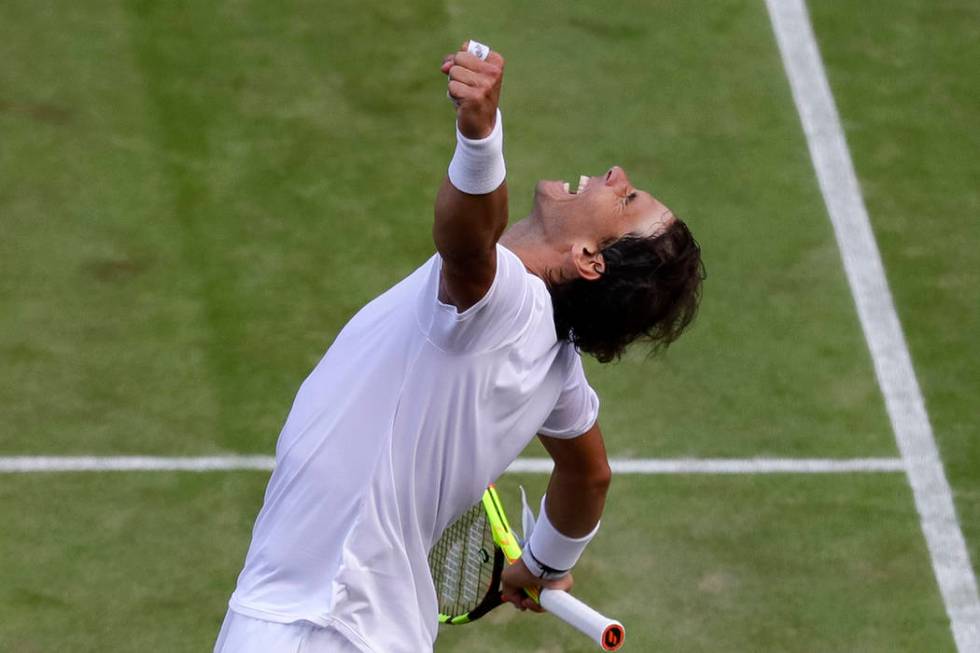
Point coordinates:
[[483, 78], [493, 70]]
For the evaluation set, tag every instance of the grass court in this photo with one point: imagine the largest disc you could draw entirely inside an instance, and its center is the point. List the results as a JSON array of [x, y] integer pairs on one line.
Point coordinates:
[[196, 196]]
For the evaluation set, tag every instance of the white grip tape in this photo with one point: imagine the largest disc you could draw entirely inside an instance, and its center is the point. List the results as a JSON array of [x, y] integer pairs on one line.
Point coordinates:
[[608, 633], [478, 49]]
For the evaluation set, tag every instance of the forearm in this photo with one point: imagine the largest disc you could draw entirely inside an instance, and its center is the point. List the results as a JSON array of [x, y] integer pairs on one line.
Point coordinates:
[[567, 522], [471, 207], [579, 482], [576, 498], [571, 509]]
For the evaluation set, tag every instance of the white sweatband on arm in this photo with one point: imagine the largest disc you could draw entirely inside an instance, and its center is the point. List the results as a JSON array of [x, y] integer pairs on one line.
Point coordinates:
[[478, 166], [549, 554]]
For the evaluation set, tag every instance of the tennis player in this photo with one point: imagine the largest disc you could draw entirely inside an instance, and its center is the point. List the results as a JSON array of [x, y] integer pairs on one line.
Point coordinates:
[[434, 387]]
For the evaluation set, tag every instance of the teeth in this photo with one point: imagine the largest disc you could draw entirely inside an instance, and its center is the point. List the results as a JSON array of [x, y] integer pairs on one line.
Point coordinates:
[[583, 181], [565, 186]]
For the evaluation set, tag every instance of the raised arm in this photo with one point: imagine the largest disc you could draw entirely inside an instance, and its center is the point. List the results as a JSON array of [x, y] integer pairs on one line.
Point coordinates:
[[471, 207]]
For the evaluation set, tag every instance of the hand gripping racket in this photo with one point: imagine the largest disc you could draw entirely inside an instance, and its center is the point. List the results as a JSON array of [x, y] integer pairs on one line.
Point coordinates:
[[468, 560]]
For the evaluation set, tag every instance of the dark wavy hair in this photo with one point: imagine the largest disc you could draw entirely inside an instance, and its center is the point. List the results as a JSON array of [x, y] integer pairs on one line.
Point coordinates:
[[650, 290]]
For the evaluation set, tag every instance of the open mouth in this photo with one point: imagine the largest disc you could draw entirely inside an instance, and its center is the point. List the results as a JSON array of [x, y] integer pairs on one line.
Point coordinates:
[[583, 181]]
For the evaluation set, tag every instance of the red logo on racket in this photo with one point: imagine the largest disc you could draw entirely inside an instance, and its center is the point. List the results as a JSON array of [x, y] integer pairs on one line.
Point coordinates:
[[612, 638]]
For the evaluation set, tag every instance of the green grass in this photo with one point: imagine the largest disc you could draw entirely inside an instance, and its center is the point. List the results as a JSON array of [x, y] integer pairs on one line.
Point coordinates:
[[196, 196], [766, 563], [136, 562], [246, 181], [121, 562], [910, 111]]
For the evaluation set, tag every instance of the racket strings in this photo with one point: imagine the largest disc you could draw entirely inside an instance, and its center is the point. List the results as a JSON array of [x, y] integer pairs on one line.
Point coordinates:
[[462, 563]]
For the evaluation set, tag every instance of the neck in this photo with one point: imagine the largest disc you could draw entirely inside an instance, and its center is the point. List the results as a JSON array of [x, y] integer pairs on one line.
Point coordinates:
[[530, 242]]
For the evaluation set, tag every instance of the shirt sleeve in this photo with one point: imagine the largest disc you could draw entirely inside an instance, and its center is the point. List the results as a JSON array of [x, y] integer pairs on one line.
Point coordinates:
[[577, 408], [500, 315]]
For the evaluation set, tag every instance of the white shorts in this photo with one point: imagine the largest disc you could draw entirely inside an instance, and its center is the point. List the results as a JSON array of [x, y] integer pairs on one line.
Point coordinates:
[[241, 634]]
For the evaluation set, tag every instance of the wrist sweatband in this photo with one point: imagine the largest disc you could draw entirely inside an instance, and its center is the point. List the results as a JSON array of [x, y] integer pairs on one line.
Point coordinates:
[[478, 166], [549, 554]]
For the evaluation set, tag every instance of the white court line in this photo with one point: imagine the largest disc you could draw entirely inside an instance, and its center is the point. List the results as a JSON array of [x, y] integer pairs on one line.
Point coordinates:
[[882, 330], [729, 465], [32, 464]]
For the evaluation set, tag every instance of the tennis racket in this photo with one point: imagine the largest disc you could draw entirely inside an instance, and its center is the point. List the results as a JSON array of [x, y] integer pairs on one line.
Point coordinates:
[[468, 560]]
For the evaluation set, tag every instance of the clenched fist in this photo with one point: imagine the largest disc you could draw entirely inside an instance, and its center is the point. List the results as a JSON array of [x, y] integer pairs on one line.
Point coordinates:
[[474, 86]]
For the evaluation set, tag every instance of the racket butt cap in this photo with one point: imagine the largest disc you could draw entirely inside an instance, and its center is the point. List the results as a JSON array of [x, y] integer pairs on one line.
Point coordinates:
[[613, 637]]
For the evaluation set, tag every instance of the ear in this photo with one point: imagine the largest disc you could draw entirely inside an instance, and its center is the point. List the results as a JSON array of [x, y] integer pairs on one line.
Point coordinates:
[[588, 262]]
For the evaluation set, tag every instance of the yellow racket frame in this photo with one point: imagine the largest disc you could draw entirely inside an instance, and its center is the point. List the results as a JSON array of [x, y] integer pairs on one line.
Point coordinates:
[[567, 608], [502, 533]]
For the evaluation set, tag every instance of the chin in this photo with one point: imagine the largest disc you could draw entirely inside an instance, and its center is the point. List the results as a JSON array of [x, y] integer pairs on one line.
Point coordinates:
[[550, 192], [540, 193], [549, 187], [544, 203]]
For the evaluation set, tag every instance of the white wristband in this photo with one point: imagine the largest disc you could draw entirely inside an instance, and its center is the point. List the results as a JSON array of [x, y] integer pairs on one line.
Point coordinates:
[[550, 554], [478, 166]]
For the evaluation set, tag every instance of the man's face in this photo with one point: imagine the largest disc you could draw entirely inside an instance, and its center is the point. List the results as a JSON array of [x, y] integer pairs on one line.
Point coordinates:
[[602, 209]]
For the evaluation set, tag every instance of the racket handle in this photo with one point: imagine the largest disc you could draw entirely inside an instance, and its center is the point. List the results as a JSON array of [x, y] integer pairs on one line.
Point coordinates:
[[608, 633]]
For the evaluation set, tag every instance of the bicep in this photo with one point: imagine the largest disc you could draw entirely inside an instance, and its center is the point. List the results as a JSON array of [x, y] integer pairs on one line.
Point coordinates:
[[464, 283], [584, 455]]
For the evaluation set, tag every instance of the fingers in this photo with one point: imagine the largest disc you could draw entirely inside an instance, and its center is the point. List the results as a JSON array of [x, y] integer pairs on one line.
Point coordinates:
[[514, 594], [459, 91], [472, 78], [493, 65], [513, 599], [460, 74], [474, 88], [472, 73], [495, 59], [478, 65], [517, 576], [564, 583], [522, 602], [532, 605]]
